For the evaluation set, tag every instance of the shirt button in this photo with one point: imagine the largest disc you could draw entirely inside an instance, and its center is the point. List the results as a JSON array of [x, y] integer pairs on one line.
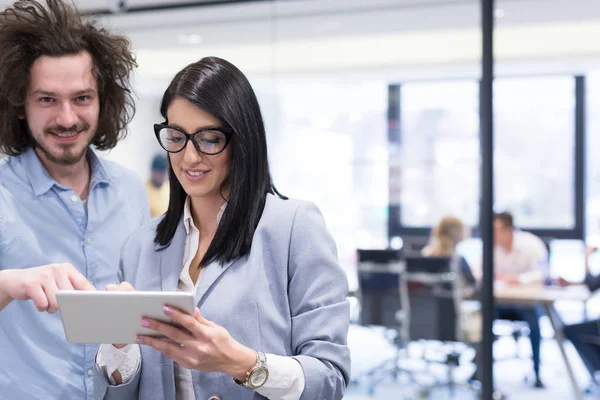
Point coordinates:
[[73, 198], [88, 240], [213, 398], [90, 372]]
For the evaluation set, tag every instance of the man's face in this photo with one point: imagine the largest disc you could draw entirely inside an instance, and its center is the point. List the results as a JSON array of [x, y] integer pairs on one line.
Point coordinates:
[[62, 107], [503, 235]]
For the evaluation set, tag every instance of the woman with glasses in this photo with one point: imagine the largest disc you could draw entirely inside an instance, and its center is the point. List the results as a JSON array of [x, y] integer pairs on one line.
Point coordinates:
[[272, 316]]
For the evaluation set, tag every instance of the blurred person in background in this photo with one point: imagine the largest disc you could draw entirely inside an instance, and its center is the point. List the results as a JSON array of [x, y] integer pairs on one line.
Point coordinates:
[[444, 238], [520, 258], [157, 186]]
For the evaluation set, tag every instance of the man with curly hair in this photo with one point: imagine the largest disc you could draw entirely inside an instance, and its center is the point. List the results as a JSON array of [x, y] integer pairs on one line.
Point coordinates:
[[64, 212]]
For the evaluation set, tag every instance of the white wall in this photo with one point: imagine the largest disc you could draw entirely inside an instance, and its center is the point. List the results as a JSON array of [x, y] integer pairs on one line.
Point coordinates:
[[136, 151]]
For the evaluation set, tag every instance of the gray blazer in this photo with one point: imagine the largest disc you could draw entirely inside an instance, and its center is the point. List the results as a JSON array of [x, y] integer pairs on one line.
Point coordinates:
[[287, 296]]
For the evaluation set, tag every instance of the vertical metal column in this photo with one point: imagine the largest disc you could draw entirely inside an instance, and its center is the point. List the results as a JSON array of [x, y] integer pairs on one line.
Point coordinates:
[[394, 135], [487, 195], [580, 157]]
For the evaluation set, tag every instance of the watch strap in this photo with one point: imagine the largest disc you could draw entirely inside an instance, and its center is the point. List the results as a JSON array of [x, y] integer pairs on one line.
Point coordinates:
[[261, 361]]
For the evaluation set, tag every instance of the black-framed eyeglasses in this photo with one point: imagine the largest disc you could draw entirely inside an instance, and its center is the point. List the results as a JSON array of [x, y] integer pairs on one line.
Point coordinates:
[[209, 141]]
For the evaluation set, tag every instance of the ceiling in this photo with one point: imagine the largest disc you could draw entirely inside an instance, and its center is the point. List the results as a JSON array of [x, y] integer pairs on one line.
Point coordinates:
[[113, 6], [289, 36], [305, 19], [340, 35]]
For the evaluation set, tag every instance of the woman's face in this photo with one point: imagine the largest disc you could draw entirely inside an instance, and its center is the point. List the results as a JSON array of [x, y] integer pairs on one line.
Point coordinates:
[[201, 175]]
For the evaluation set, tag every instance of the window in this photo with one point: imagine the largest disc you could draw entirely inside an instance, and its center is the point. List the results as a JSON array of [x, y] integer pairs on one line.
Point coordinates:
[[438, 161], [328, 144], [437, 166], [593, 161], [534, 138]]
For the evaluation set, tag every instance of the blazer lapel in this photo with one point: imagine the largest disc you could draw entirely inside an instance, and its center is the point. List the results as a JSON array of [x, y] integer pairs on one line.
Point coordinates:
[[171, 260], [171, 263], [209, 277]]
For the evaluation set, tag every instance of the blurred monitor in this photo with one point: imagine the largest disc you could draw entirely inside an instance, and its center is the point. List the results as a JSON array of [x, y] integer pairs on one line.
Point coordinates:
[[567, 259], [594, 241], [414, 244], [471, 249], [595, 263]]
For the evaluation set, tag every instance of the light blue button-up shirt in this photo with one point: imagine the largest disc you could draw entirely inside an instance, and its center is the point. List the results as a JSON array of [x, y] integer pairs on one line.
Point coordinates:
[[42, 222]]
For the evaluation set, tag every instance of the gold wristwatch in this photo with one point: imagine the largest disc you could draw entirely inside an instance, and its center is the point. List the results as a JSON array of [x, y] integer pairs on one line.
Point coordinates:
[[258, 375]]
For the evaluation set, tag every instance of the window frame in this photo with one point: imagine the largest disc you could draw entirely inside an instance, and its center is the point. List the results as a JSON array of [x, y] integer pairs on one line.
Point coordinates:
[[397, 229]]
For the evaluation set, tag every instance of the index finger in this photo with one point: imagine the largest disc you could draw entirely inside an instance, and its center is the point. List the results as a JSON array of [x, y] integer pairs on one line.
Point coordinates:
[[79, 281]]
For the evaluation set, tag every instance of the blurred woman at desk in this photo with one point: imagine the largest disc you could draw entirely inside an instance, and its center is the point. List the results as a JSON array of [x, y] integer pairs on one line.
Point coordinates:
[[444, 237]]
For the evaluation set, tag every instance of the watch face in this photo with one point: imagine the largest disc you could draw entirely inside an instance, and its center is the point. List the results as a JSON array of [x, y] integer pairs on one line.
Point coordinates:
[[258, 377]]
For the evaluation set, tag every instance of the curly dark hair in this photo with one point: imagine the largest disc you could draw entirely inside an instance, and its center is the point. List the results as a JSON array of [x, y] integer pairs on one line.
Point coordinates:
[[29, 29]]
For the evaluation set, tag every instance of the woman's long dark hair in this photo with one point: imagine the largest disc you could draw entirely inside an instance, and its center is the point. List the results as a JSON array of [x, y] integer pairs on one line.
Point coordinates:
[[221, 89]]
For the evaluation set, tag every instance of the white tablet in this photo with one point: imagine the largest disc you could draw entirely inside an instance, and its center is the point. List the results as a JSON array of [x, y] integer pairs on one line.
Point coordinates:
[[114, 317]]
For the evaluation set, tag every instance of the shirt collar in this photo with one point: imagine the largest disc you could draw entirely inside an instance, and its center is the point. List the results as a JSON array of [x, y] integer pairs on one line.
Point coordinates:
[[40, 179], [98, 168], [42, 182], [188, 221]]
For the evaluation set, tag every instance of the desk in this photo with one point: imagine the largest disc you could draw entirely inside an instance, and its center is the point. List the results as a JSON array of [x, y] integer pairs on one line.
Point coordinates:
[[537, 294], [546, 296]]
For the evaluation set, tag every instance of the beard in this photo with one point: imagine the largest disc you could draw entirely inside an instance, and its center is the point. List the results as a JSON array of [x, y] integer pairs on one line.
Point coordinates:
[[68, 153]]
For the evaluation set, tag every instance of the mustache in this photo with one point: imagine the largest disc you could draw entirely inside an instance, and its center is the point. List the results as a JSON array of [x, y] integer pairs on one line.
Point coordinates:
[[64, 129]]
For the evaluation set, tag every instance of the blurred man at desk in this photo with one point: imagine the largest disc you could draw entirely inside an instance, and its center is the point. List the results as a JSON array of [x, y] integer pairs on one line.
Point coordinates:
[[520, 258]]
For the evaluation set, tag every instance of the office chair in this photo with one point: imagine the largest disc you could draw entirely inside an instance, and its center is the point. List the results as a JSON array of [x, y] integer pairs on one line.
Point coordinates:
[[384, 302], [514, 329], [435, 295]]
